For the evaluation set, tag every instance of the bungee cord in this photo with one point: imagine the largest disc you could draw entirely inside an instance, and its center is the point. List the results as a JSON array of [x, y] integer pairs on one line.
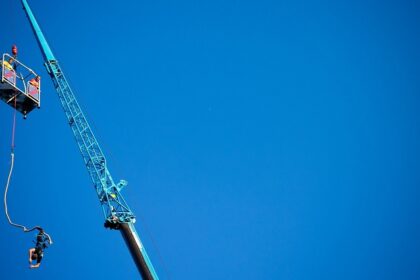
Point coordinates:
[[12, 161]]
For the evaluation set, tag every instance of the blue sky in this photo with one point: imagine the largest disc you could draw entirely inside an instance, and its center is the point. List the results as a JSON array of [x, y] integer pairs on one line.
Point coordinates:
[[260, 139]]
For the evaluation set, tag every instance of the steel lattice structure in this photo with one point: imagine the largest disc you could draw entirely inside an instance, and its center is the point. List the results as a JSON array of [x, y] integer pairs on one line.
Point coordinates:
[[116, 211]]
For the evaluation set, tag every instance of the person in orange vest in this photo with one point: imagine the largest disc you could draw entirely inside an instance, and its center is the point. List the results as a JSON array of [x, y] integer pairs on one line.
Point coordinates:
[[35, 81]]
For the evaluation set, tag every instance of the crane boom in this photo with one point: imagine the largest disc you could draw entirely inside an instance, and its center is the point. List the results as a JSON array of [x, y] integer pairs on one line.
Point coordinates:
[[115, 209]]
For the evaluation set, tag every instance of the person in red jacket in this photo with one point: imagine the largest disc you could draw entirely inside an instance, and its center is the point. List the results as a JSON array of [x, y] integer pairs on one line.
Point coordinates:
[[12, 60]]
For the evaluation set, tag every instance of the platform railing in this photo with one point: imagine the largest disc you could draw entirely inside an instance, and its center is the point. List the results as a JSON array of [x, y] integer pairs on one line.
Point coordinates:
[[19, 76]]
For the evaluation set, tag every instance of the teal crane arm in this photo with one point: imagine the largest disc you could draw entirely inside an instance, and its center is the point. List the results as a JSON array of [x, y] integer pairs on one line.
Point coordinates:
[[115, 209]]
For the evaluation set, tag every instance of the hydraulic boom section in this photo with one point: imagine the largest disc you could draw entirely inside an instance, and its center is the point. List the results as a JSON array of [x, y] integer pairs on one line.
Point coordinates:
[[116, 211]]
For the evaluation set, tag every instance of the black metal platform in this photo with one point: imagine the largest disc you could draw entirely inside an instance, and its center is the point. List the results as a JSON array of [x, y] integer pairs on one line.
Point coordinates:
[[15, 97]]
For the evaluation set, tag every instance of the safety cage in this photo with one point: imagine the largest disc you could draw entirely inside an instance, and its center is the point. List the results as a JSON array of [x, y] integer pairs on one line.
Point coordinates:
[[20, 86]]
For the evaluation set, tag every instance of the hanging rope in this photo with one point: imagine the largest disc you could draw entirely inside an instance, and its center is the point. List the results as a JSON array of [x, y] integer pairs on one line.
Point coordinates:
[[12, 161]]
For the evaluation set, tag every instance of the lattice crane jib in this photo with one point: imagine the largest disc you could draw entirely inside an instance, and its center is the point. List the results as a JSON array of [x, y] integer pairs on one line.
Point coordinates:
[[116, 211]]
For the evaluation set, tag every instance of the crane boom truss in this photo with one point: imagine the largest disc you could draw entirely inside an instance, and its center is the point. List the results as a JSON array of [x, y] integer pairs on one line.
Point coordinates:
[[115, 209]]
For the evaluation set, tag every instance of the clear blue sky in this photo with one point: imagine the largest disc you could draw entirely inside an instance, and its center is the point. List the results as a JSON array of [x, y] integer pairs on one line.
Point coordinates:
[[260, 139]]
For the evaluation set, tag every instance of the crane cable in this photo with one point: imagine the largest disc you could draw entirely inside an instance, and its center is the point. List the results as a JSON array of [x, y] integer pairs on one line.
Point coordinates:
[[12, 158]]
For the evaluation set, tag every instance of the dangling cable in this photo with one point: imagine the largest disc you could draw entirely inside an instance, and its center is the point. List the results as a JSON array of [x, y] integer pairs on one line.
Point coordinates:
[[12, 161]]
